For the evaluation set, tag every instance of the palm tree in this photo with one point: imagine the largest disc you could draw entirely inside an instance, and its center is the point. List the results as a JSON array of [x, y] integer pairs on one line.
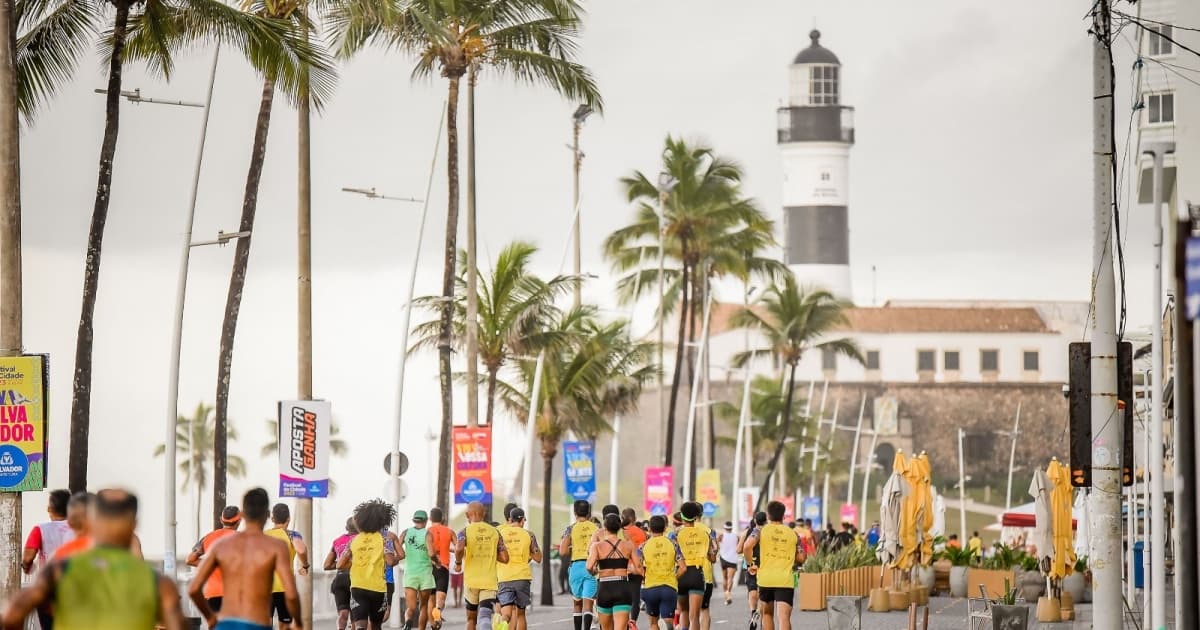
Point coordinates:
[[530, 40], [53, 36], [794, 322], [766, 413], [711, 230], [597, 371], [194, 444], [515, 315], [312, 82]]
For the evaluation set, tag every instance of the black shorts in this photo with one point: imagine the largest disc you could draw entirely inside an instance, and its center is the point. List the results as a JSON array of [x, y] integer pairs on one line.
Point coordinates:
[[279, 608], [692, 581], [391, 592], [367, 606], [215, 603], [441, 579], [726, 565], [708, 590], [768, 594], [340, 587], [751, 582], [613, 593], [635, 595]]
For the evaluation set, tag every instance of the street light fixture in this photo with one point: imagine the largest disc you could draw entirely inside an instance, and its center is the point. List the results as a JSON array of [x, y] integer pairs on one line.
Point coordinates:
[[135, 96], [370, 193]]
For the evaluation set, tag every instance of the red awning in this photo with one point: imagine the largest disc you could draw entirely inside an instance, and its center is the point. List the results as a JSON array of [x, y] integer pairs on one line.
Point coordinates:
[[1025, 519]]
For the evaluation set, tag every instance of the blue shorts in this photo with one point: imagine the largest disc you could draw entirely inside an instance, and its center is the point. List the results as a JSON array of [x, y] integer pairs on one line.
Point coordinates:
[[660, 601], [583, 584], [239, 624]]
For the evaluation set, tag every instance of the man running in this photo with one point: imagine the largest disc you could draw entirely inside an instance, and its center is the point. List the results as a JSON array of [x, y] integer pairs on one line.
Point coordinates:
[[340, 585], [440, 541], [478, 551], [637, 536], [46, 538], [280, 517], [515, 577], [214, 588], [727, 547], [418, 571], [780, 554], [574, 546], [365, 558], [750, 557], [105, 587], [661, 564], [698, 550], [77, 519], [250, 562]]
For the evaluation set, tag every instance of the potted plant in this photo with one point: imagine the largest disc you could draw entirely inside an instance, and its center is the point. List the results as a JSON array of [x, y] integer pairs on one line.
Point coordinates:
[[1006, 614], [1074, 583], [995, 570], [960, 562], [1030, 580]]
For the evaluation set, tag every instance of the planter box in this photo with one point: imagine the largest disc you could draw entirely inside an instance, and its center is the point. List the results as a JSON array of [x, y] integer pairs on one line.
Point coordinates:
[[993, 581], [812, 591]]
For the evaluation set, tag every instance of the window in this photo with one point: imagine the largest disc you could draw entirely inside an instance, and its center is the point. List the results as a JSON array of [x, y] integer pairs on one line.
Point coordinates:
[[925, 361], [989, 360], [823, 85], [950, 360], [1030, 360], [1160, 108], [1159, 43], [872, 359], [828, 359], [979, 446]]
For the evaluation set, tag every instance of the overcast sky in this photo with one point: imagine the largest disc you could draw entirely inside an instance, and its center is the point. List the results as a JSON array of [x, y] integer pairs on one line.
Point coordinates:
[[971, 179]]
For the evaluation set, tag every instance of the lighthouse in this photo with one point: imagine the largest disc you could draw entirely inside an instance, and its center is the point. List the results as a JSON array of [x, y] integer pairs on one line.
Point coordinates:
[[816, 132]]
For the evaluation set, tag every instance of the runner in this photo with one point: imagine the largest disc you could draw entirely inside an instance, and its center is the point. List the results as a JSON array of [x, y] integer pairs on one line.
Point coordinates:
[[280, 517], [440, 538], [214, 589], [105, 587], [760, 519], [456, 580], [781, 553], [249, 562], [710, 572], [609, 559], [574, 546], [516, 576], [698, 550], [365, 558], [660, 562], [637, 536], [727, 545], [77, 519], [478, 551], [418, 570], [340, 585], [47, 537]]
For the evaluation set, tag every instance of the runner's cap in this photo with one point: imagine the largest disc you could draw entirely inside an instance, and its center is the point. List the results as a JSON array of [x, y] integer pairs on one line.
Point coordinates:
[[231, 515], [420, 515]]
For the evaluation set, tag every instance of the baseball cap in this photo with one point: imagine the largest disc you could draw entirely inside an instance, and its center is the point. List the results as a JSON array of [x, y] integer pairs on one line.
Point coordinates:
[[231, 515], [517, 514], [420, 515]]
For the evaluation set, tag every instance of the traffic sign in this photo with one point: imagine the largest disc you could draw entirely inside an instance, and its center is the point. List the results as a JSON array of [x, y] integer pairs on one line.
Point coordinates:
[[387, 463]]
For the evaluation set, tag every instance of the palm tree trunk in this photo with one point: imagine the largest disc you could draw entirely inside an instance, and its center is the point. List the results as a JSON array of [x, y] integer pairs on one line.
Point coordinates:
[[787, 424], [697, 307], [81, 387], [549, 450], [451, 245], [492, 380], [233, 300], [669, 442]]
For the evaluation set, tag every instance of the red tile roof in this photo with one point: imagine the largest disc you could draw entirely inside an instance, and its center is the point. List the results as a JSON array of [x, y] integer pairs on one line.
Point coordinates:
[[905, 319]]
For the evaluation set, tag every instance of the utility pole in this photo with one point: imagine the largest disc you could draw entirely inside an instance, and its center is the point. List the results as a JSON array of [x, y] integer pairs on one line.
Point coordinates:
[[1154, 458], [472, 340], [962, 490], [581, 114], [10, 273], [304, 372], [1105, 513], [1186, 347]]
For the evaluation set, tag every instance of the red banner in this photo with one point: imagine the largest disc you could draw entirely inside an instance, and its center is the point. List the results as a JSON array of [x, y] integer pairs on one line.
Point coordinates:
[[472, 464]]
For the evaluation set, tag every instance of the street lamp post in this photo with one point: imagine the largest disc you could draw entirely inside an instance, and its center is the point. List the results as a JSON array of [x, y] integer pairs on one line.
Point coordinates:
[[666, 183], [581, 114]]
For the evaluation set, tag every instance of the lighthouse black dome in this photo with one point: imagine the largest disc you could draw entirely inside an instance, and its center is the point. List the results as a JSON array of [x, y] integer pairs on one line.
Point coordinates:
[[816, 53]]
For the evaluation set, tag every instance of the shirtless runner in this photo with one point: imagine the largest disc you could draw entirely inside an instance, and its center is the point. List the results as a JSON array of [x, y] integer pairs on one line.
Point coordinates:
[[248, 561]]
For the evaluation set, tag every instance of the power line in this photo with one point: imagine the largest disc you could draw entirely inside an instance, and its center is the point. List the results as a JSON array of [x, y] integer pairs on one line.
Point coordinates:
[[1160, 34]]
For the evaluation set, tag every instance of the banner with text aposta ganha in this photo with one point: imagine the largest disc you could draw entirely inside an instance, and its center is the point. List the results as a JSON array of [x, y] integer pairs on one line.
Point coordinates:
[[304, 448]]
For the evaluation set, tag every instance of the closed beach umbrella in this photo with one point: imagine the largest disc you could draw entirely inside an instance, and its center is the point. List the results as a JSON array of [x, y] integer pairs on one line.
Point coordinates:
[[925, 514], [1063, 563], [889, 518], [1043, 523], [939, 514]]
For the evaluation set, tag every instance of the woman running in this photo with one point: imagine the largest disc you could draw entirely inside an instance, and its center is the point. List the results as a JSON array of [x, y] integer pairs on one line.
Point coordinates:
[[609, 560]]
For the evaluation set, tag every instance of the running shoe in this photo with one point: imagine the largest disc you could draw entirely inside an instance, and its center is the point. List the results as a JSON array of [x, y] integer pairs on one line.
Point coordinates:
[[632, 625], [754, 620], [435, 618]]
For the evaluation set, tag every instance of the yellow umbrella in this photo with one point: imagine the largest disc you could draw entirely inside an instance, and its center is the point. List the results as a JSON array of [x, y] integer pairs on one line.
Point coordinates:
[[925, 496], [908, 511], [1063, 563]]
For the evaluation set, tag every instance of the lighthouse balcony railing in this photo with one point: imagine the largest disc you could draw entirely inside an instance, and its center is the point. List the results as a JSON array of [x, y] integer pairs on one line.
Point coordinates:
[[816, 123]]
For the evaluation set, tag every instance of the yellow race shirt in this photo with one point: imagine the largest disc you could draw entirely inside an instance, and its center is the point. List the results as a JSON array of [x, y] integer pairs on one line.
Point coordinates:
[[581, 537], [777, 558], [707, 567], [285, 535], [520, 545], [483, 543], [660, 556], [694, 543], [367, 562]]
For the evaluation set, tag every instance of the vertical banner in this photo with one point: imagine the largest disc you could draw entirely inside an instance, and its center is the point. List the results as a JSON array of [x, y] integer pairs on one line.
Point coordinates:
[[472, 464], [811, 510], [708, 490], [789, 507], [747, 498], [23, 423], [579, 470], [659, 480], [304, 448], [849, 513]]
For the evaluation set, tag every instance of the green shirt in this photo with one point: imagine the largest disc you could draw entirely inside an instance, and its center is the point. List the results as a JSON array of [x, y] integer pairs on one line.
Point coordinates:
[[106, 588], [416, 553]]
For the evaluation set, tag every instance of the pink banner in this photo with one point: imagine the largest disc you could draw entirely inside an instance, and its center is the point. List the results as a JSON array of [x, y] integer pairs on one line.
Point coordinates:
[[659, 480], [789, 508], [849, 513]]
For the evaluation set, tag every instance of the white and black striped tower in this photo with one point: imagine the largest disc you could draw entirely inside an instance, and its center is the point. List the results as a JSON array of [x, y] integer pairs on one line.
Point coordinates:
[[815, 135]]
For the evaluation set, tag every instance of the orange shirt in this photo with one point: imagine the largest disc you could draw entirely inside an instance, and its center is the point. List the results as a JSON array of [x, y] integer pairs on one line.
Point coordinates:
[[215, 586], [68, 549], [441, 537], [635, 535]]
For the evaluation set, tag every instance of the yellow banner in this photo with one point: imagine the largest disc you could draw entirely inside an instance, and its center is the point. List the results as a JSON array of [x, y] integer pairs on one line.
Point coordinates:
[[708, 490], [22, 423]]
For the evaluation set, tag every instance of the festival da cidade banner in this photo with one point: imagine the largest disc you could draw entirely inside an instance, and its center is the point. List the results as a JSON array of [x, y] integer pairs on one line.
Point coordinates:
[[708, 490], [472, 464], [23, 422], [579, 470], [304, 448], [659, 480]]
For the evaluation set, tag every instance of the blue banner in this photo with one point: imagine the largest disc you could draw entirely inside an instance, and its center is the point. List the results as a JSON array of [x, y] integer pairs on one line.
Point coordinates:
[[579, 468], [1191, 275], [811, 509]]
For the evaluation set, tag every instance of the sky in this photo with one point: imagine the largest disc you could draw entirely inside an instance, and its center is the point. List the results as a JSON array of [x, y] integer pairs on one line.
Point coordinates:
[[970, 179]]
